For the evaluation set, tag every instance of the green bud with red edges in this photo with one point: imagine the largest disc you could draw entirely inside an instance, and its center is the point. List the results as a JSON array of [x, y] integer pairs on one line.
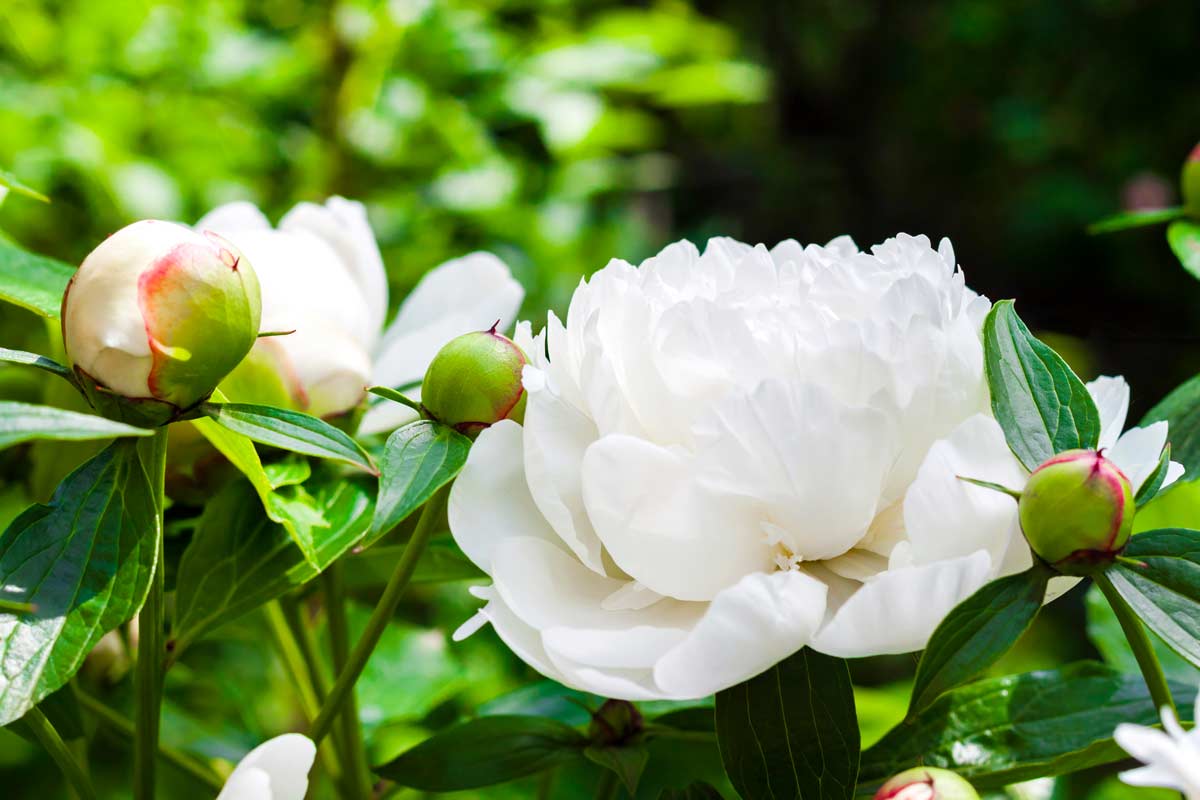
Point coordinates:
[[617, 722], [927, 783], [475, 381], [1077, 511], [1190, 182]]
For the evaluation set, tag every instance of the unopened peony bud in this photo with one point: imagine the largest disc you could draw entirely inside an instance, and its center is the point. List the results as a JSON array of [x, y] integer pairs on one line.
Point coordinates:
[[926, 783], [475, 381], [1077, 511], [155, 317], [1190, 182], [617, 722]]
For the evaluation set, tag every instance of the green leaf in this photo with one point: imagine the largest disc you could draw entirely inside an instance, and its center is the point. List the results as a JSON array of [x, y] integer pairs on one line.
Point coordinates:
[[1135, 219], [31, 281], [23, 422], [977, 632], [238, 560], [64, 713], [1005, 730], [85, 562], [1104, 631], [1154, 480], [34, 360], [389, 393], [290, 430], [697, 791], [1181, 411], [1159, 577], [628, 762], [418, 459], [791, 732], [1040, 403], [10, 181], [485, 751], [1184, 238]]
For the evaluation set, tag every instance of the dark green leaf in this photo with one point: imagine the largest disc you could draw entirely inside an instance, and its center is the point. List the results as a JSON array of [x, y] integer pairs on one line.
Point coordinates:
[[544, 698], [791, 732], [10, 181], [290, 430], [1154, 480], [1005, 730], [238, 560], [1160, 579], [1104, 631], [697, 791], [62, 709], [1135, 219], [977, 632], [485, 751], [1040, 403], [1181, 411], [419, 459], [628, 762], [1184, 238], [85, 562], [23, 422], [35, 360], [33, 282]]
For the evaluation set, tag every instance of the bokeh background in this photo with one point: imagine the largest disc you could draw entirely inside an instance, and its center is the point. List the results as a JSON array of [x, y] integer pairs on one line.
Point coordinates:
[[560, 134]]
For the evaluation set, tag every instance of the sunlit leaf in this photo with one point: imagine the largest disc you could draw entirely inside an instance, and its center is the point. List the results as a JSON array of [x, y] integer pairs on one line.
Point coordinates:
[[33, 282], [23, 422]]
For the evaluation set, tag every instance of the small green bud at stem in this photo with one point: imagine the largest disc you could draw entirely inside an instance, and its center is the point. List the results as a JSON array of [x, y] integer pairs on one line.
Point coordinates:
[[926, 783], [617, 722], [475, 381], [1190, 182]]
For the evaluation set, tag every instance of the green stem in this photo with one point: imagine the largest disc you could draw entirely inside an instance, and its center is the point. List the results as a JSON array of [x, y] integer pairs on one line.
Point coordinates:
[[385, 609], [302, 636], [14, 607], [607, 788], [126, 728], [358, 779], [148, 677], [1139, 642], [58, 750]]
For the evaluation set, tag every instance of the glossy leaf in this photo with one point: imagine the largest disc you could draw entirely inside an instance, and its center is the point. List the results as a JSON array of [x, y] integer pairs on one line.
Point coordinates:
[[1155, 479], [12, 183], [1104, 631], [24, 422], [977, 632], [1135, 219], [485, 751], [1040, 403], [628, 762], [85, 562], [1005, 730], [1181, 410], [31, 281], [697, 791], [238, 560], [1159, 577], [34, 360], [418, 459], [1184, 238], [791, 732], [289, 430]]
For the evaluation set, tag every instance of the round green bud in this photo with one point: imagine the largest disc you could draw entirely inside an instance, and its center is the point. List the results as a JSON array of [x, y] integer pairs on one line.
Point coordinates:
[[475, 381], [1077, 511], [615, 723], [1190, 182], [927, 783], [155, 317]]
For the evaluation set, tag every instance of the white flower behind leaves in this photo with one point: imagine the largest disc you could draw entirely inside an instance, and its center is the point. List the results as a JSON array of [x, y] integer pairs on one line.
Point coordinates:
[[1171, 756], [275, 770], [731, 455]]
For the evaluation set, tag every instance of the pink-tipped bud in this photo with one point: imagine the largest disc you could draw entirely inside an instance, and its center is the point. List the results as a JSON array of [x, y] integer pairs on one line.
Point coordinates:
[[475, 381], [926, 783], [1077, 511]]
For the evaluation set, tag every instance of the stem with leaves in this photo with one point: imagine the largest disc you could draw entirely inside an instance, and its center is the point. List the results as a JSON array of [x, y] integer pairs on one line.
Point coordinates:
[[357, 772], [46, 734], [148, 677], [385, 609], [1139, 642]]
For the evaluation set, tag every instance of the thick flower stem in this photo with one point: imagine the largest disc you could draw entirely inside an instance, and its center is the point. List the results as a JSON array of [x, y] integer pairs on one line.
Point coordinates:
[[148, 677], [1140, 643], [380, 617], [358, 777], [46, 734]]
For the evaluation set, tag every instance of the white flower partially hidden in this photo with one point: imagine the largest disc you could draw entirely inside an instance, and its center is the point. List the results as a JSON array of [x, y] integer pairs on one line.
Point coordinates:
[[275, 770], [1171, 756], [322, 276], [726, 457]]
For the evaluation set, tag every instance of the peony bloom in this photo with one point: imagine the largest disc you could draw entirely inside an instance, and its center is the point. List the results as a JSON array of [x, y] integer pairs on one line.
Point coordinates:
[[727, 457], [1171, 756], [275, 770], [322, 276]]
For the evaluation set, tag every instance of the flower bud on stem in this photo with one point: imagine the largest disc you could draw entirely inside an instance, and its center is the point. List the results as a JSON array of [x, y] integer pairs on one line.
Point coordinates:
[[475, 381], [927, 783]]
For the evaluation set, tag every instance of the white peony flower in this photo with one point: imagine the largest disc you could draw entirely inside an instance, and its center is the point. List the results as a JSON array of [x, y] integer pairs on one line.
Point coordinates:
[[726, 457], [275, 770], [323, 277], [1171, 756]]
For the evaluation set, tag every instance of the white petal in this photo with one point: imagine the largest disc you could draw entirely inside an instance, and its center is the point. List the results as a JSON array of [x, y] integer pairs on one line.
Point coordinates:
[[519, 637], [490, 499], [1175, 471], [1111, 395], [248, 784], [388, 416], [897, 611], [662, 527], [329, 368], [1137, 451], [748, 627], [233, 218], [285, 760]]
